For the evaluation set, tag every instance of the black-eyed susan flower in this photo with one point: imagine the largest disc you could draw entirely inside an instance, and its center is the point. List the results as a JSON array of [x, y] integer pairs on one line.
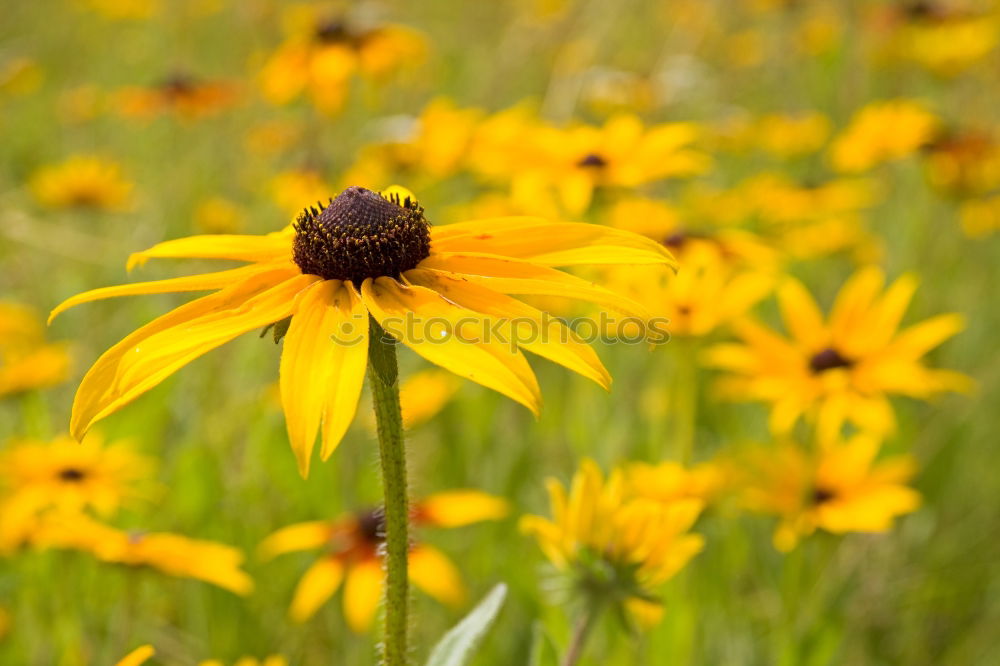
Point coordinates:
[[964, 162], [843, 367], [324, 52], [27, 361], [65, 476], [172, 554], [882, 132], [179, 93], [368, 255], [352, 544], [615, 546], [706, 293], [839, 488], [623, 153], [82, 181], [433, 145], [72, 476], [943, 37]]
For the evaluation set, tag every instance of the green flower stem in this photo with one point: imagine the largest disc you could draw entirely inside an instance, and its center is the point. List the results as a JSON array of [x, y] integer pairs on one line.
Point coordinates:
[[383, 374], [582, 631]]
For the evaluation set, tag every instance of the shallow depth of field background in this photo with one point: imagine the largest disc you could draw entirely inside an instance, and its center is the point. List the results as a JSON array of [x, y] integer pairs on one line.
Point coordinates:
[[924, 593]]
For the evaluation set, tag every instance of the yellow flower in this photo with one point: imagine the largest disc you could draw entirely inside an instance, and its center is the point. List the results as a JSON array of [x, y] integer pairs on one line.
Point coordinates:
[[82, 181], [434, 144], [981, 217], [842, 368], [615, 542], [172, 554], [946, 42], [353, 543], [72, 476], [964, 162], [324, 53], [623, 153], [26, 360], [840, 488], [66, 476], [181, 94], [882, 132], [138, 656], [435, 289], [706, 293]]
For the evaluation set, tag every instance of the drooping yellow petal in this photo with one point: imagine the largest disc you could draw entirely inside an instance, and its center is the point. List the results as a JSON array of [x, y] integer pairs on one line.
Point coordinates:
[[203, 282], [270, 247], [451, 337], [510, 276], [550, 243], [362, 593], [97, 388], [322, 367], [455, 508], [528, 327], [301, 536], [318, 584], [153, 359], [435, 574], [350, 318]]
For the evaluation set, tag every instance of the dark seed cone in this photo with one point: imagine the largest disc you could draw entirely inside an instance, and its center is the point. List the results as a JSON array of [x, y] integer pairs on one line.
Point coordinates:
[[361, 235]]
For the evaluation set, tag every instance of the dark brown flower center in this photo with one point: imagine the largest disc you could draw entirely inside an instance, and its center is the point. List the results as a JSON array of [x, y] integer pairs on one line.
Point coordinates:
[[592, 161], [72, 474], [178, 84], [822, 495], [359, 235], [828, 359], [371, 525]]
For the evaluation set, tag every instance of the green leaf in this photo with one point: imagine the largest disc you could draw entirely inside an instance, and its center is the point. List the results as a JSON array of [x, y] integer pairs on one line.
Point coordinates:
[[457, 646]]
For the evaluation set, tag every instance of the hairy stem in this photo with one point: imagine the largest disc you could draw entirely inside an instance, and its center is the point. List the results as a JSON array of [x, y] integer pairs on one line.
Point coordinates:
[[581, 633], [383, 374]]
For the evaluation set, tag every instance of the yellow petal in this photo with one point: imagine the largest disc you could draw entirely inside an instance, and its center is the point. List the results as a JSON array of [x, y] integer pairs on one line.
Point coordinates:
[[539, 241], [451, 337], [203, 282], [322, 369], [347, 381], [155, 358], [362, 593], [318, 584], [455, 508], [510, 276], [435, 574], [398, 191], [97, 388], [137, 656], [801, 315], [530, 328], [277, 245], [301, 536]]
